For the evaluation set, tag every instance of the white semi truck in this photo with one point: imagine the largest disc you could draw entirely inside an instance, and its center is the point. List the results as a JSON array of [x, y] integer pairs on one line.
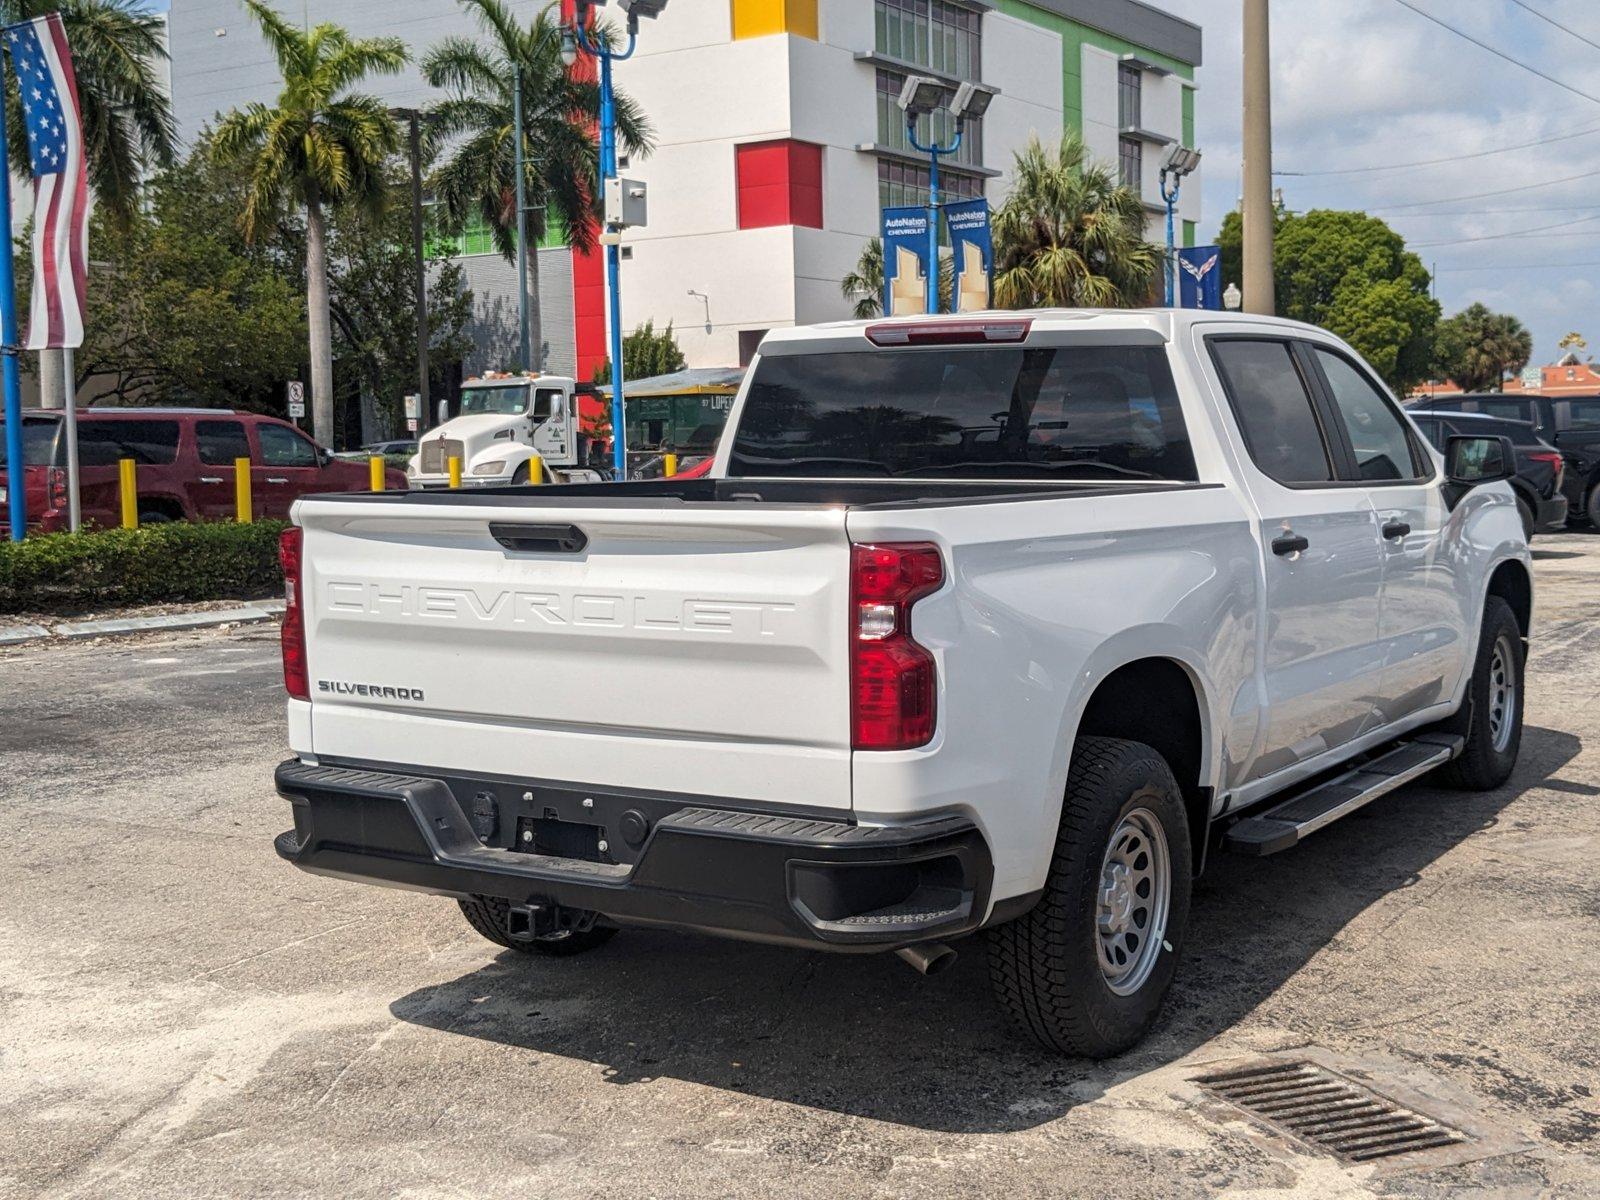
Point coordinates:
[[510, 430]]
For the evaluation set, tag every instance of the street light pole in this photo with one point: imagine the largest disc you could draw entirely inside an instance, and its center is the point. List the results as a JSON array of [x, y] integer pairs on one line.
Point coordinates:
[[419, 251], [518, 152], [923, 94], [1179, 162], [934, 151]]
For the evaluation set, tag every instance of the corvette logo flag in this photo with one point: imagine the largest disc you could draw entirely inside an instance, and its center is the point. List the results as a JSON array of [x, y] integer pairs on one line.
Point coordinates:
[[49, 93]]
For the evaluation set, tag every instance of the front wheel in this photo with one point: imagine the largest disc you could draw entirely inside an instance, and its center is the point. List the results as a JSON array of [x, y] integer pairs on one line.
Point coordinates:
[[1592, 507], [1491, 717], [1086, 970]]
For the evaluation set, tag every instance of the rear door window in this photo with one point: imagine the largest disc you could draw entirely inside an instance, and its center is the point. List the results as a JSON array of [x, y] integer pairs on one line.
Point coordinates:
[[281, 447], [149, 443], [1585, 414], [1082, 412], [221, 442], [1274, 409], [1377, 434], [1507, 410]]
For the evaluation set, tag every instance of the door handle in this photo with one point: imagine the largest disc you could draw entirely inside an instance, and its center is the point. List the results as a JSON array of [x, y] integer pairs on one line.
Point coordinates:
[[276, 479], [210, 479], [1289, 543], [1395, 530]]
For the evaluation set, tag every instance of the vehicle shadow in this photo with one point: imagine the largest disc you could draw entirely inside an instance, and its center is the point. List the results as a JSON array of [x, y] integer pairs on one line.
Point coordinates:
[[867, 1037]]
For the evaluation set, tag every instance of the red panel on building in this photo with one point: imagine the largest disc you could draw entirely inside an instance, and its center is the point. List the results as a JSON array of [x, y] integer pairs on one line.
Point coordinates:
[[780, 183]]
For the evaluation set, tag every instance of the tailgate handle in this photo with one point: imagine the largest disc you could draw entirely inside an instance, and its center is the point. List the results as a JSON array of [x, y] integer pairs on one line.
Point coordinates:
[[539, 539]]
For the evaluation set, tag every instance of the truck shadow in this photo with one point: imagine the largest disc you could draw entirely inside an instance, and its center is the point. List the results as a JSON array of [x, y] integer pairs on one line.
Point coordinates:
[[867, 1037]]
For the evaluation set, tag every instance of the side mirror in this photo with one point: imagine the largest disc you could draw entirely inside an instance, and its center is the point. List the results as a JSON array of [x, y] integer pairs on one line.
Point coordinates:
[[1471, 462]]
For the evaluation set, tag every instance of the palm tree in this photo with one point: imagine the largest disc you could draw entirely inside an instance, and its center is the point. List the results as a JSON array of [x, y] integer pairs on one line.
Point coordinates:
[[320, 146], [1070, 235], [863, 287], [560, 158]]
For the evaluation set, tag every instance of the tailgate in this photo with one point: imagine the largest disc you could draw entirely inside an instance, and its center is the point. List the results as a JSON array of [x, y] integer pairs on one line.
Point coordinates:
[[687, 649]]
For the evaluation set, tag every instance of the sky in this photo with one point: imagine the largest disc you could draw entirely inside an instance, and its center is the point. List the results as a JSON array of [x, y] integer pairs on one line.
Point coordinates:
[[1369, 83]]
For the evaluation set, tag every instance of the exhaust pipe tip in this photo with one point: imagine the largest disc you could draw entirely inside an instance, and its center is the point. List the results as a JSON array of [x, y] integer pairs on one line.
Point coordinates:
[[929, 958]]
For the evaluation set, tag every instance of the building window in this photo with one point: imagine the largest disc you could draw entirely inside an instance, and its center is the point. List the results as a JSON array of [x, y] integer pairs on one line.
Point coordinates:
[[779, 183], [940, 125], [476, 237], [936, 34], [1130, 158], [906, 185], [1130, 96]]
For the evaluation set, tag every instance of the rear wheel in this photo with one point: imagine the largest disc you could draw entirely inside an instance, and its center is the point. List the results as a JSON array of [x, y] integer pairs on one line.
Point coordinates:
[[491, 917], [1592, 508], [1491, 719], [1086, 970], [1525, 511]]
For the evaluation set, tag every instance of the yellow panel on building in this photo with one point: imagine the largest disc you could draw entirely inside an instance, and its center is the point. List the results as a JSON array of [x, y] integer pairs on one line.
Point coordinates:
[[760, 18]]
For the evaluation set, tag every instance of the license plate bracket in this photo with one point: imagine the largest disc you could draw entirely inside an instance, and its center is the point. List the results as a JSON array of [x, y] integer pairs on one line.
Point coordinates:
[[559, 839]]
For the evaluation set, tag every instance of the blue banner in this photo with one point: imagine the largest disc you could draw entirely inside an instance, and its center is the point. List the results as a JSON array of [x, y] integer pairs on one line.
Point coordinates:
[[973, 244], [1200, 277], [905, 261]]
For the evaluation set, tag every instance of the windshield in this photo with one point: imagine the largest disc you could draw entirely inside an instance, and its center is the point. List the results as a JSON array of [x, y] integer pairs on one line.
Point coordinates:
[[1091, 412], [38, 443], [502, 401]]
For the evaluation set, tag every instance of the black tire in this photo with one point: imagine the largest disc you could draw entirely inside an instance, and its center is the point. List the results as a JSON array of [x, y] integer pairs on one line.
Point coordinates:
[[490, 916], [153, 517], [519, 477], [1525, 511], [1046, 965], [1592, 507], [1488, 759]]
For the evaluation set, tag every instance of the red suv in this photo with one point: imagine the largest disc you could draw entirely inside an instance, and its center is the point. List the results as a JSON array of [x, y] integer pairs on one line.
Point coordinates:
[[186, 465]]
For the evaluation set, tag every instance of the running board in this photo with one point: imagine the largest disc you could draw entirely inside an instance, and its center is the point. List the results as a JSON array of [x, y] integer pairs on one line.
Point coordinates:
[[1287, 823]]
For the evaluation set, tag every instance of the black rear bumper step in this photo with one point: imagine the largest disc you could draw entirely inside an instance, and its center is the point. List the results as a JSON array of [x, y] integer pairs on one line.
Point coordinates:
[[1290, 821], [760, 876]]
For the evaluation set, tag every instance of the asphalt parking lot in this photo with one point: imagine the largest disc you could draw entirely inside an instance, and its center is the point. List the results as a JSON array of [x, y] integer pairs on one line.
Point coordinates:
[[183, 1015]]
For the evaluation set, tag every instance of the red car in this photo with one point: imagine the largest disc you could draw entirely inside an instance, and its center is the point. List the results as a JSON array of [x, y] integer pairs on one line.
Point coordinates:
[[185, 465]]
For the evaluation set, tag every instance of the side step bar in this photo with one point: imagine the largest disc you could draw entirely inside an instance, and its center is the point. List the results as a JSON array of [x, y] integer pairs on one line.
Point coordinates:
[[1285, 824]]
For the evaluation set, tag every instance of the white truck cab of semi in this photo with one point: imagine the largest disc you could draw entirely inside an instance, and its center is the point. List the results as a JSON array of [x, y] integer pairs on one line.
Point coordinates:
[[511, 430], [997, 622]]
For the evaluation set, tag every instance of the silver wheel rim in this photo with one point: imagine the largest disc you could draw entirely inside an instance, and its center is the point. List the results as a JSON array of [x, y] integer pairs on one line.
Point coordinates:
[[1502, 695], [1134, 895]]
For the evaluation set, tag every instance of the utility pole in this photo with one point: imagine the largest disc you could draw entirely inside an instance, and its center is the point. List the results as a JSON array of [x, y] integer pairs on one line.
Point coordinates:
[[419, 250], [525, 337], [1260, 218]]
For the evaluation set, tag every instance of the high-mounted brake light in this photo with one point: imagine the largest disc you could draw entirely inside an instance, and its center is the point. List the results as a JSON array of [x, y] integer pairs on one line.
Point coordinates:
[[951, 333], [296, 677], [893, 682]]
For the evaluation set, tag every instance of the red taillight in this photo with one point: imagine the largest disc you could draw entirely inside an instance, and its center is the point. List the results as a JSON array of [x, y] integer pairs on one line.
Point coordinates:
[[1557, 463], [56, 483], [296, 678], [999, 331], [892, 678]]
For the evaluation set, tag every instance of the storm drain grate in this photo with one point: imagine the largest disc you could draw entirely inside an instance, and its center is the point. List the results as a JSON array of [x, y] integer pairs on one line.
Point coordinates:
[[1318, 1106]]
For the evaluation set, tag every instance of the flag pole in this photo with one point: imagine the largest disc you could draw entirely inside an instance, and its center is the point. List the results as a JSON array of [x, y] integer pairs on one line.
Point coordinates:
[[15, 490]]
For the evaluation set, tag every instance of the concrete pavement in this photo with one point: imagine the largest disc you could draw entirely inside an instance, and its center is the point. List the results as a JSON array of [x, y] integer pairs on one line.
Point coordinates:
[[183, 1015]]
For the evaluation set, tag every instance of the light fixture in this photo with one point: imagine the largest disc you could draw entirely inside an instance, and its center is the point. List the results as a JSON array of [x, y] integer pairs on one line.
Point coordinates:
[[972, 101], [641, 8], [1181, 161], [569, 46], [921, 94], [1233, 298]]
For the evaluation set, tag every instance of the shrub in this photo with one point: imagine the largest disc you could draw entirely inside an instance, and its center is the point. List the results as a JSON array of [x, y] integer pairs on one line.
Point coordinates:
[[158, 564]]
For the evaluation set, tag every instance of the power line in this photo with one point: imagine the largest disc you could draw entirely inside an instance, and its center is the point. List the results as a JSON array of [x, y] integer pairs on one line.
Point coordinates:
[[1454, 158], [1566, 266], [1482, 45], [1500, 237], [1497, 212], [1530, 187], [1546, 17]]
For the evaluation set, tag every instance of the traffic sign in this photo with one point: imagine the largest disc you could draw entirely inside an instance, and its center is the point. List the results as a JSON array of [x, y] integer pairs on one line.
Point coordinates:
[[297, 398]]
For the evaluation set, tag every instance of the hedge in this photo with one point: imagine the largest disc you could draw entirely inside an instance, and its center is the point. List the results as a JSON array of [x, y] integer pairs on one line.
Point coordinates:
[[166, 563]]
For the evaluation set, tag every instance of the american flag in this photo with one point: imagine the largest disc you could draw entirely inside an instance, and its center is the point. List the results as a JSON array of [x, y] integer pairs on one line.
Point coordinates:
[[49, 93]]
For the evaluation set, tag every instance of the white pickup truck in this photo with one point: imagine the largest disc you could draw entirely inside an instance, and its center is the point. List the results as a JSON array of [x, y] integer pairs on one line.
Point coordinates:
[[995, 622]]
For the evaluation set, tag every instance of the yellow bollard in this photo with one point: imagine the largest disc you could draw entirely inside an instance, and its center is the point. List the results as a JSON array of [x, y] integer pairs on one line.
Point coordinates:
[[455, 472], [241, 491], [670, 465], [536, 471], [375, 466], [128, 479]]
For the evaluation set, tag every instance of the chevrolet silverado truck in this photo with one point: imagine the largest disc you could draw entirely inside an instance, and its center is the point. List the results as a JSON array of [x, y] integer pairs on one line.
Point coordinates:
[[996, 623]]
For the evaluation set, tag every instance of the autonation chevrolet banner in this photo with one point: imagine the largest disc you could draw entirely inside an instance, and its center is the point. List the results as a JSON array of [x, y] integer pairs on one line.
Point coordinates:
[[973, 244], [1200, 277], [905, 261]]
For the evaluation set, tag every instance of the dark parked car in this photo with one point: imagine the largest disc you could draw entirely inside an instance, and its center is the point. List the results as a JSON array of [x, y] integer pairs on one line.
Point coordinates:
[[1540, 468], [185, 463], [1569, 423]]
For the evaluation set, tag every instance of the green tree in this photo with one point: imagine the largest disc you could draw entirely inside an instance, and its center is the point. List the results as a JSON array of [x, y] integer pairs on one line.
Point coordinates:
[[320, 146], [372, 301], [863, 287], [645, 354], [1478, 348], [1352, 275], [117, 51], [180, 308], [560, 157], [1070, 234]]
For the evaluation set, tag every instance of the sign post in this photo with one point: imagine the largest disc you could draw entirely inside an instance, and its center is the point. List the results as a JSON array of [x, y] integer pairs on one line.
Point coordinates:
[[297, 400]]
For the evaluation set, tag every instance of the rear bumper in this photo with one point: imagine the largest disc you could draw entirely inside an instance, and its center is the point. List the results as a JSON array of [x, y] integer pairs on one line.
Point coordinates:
[[674, 861]]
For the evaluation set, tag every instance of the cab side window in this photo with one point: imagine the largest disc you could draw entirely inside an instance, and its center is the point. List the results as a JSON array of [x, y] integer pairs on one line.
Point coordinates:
[[1274, 409], [282, 447], [1378, 436]]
